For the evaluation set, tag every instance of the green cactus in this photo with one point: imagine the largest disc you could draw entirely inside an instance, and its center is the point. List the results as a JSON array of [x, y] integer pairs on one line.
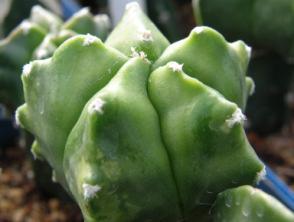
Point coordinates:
[[37, 38], [262, 23], [16, 50], [140, 130], [248, 204]]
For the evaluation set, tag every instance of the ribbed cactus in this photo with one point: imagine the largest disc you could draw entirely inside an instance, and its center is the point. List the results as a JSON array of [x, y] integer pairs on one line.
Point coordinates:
[[262, 23], [247, 204], [137, 129], [37, 38]]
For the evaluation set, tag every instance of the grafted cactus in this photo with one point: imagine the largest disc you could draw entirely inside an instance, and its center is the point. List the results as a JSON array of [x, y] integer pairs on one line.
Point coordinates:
[[247, 204], [262, 23], [137, 129], [37, 38]]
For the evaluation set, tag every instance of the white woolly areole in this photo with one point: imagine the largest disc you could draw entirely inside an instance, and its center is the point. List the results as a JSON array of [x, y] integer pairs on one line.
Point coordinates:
[[82, 12], [41, 54], [260, 175], [237, 117], [96, 106], [89, 191], [89, 39], [176, 67], [140, 54], [132, 5], [26, 70], [145, 35], [198, 29], [26, 26]]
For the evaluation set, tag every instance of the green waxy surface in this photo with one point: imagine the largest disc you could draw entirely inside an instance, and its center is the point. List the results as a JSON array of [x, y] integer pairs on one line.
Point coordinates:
[[136, 31], [45, 19], [195, 128], [84, 22], [125, 159], [16, 50], [52, 108], [134, 139], [37, 38], [247, 204], [208, 57]]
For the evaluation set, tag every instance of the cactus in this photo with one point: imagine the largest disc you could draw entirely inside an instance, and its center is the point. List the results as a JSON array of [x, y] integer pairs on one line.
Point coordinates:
[[248, 204], [261, 23], [137, 129], [37, 38]]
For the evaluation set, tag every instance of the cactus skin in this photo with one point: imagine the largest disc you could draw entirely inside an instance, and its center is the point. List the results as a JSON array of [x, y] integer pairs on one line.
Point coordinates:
[[37, 38], [84, 22], [248, 204], [202, 114], [45, 19], [112, 141], [261, 23], [43, 102], [130, 34], [206, 46], [129, 146], [16, 50]]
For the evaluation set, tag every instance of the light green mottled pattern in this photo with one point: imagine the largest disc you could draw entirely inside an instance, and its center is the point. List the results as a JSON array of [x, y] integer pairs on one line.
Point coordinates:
[[247, 204]]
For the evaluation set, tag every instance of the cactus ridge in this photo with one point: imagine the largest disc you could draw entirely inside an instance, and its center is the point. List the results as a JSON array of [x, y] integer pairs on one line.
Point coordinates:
[[135, 129], [37, 38], [246, 203]]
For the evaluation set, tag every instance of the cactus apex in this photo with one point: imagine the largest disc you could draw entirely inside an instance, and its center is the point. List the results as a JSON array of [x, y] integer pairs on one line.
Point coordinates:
[[26, 70], [132, 5], [89, 39], [260, 175], [237, 118], [140, 54], [26, 26], [176, 67], [90, 190], [82, 12], [96, 106], [146, 35], [198, 29]]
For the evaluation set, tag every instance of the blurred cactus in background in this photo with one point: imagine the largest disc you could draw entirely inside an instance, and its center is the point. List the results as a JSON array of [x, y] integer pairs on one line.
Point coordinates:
[[37, 38]]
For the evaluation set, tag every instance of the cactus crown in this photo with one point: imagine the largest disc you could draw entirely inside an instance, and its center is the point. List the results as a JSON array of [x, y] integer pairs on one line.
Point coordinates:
[[134, 127]]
